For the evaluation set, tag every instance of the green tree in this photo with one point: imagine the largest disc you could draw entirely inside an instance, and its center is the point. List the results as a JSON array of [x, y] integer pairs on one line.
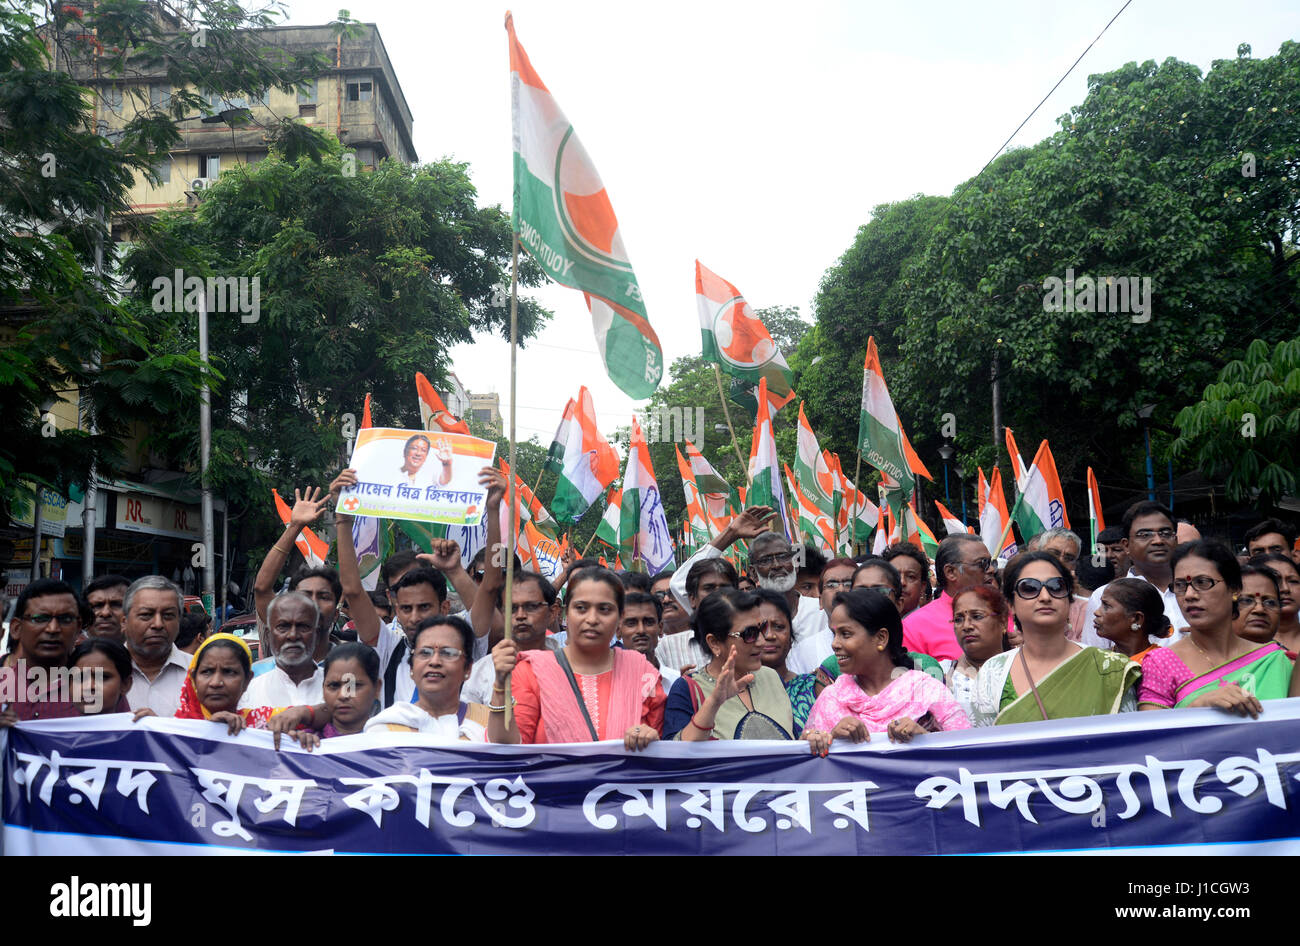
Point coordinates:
[[1246, 427], [62, 187], [364, 279]]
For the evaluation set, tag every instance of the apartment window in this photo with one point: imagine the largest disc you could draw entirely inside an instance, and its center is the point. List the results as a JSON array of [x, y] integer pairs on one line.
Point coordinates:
[[307, 93], [164, 170], [210, 166], [160, 95], [359, 91], [306, 111], [112, 96]]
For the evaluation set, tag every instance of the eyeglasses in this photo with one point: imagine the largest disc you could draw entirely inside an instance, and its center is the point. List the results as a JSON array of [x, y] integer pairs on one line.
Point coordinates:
[[528, 607], [1146, 535], [838, 583], [446, 653], [1250, 601], [983, 564], [661, 595], [749, 634], [974, 617], [1030, 588], [886, 590], [63, 620], [780, 558], [1200, 583]]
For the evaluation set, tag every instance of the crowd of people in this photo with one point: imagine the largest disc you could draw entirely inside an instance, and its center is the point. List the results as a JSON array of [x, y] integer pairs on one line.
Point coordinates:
[[791, 647]]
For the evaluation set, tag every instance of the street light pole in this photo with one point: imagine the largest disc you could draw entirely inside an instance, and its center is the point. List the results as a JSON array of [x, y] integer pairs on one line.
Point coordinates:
[[961, 475], [205, 451], [945, 453], [1144, 414]]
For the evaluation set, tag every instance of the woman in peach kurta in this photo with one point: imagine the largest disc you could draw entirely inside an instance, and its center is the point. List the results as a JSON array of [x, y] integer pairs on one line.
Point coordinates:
[[622, 695]]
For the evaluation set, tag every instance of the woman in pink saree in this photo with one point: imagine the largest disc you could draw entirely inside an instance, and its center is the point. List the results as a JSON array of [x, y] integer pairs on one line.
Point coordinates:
[[877, 689]]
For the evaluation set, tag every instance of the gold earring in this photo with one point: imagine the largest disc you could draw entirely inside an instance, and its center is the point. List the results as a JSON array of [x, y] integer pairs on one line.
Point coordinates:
[[880, 647]]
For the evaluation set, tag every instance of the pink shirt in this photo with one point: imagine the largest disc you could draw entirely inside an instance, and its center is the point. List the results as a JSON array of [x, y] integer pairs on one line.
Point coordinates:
[[928, 630]]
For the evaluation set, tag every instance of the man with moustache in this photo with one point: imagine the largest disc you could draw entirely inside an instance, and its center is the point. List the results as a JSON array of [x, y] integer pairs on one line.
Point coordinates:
[[962, 562], [294, 626], [106, 595], [675, 619], [152, 620], [534, 607], [640, 629]]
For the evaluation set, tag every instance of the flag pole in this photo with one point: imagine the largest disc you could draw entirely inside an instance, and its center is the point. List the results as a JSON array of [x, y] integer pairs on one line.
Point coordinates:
[[583, 553], [508, 613], [857, 491], [726, 412]]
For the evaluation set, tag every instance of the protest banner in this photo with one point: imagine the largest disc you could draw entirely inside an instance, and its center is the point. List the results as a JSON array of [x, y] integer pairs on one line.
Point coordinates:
[[418, 475], [1179, 781]]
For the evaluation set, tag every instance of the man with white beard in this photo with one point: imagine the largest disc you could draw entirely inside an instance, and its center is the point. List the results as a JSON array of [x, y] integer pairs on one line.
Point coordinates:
[[293, 620]]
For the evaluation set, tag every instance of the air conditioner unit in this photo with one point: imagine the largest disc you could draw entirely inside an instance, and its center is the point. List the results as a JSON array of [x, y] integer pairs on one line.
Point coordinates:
[[200, 183]]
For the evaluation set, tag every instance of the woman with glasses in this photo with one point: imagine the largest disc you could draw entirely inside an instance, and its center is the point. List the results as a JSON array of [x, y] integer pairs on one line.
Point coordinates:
[[440, 665], [775, 644], [979, 622], [1049, 676], [734, 696], [877, 689], [1288, 588], [586, 691], [1132, 617], [1259, 607], [1212, 666]]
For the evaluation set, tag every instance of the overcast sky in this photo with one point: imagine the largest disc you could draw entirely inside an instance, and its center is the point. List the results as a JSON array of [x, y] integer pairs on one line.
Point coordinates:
[[756, 136]]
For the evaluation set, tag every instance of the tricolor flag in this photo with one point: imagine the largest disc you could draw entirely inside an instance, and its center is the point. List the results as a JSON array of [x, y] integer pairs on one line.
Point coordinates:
[[1041, 505], [566, 222], [880, 435], [532, 509], [950, 522], [696, 518], [860, 515], [643, 526], [814, 525], [433, 413], [764, 467], [607, 530], [993, 516], [313, 548], [372, 538], [365, 414], [1095, 520], [714, 489], [735, 340], [812, 473], [555, 455], [589, 465], [1017, 464]]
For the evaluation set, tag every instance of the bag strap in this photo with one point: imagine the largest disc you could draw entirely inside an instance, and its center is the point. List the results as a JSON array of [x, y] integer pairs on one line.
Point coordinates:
[[696, 691], [563, 661], [390, 672], [1028, 676]]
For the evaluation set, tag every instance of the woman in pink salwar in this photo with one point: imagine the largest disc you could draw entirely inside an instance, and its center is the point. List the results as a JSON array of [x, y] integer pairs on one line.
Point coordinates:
[[877, 689]]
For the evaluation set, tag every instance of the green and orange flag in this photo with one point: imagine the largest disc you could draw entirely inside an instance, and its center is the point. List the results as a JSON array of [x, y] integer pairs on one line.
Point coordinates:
[[566, 222], [735, 340]]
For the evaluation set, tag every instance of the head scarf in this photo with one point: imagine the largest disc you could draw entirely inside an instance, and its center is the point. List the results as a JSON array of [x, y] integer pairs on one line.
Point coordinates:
[[191, 708]]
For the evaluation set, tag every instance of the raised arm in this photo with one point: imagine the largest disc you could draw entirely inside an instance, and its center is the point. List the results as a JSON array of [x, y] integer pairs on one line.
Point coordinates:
[[362, 610], [494, 573], [445, 557], [747, 525], [307, 508]]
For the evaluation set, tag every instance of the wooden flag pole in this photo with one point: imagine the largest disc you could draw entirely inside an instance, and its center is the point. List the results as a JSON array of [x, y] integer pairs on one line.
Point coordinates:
[[588, 545], [726, 412], [539, 479], [508, 610]]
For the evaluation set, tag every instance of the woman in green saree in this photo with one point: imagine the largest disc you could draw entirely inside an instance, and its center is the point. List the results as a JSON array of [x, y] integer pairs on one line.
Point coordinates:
[[1212, 666], [1048, 676]]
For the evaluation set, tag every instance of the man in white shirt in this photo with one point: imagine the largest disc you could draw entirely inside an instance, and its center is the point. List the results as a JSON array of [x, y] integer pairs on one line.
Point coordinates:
[[293, 622], [1149, 540], [639, 631], [151, 620], [535, 607]]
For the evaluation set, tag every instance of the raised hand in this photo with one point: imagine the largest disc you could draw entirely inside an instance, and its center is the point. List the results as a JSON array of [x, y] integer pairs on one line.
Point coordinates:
[[728, 686], [341, 482], [442, 450], [307, 506], [494, 481], [752, 522], [445, 555]]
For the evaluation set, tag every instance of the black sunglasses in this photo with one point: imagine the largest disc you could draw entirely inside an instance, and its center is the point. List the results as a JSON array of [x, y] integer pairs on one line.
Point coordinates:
[[1029, 588]]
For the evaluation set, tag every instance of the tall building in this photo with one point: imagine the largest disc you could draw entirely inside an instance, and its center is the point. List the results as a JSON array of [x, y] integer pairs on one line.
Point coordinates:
[[358, 100], [455, 397], [486, 409], [149, 521]]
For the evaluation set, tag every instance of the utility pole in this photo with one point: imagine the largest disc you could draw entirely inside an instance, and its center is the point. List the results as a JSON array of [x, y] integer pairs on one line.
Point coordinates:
[[205, 450], [997, 408]]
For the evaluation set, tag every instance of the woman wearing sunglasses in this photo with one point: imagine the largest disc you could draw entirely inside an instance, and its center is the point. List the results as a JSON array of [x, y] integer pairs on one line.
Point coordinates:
[[734, 696], [440, 663], [1049, 676], [1212, 666]]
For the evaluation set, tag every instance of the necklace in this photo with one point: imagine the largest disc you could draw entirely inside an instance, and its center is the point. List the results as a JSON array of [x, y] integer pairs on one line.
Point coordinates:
[[1208, 660]]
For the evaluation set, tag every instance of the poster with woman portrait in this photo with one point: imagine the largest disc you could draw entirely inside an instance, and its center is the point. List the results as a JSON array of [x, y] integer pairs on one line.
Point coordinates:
[[427, 476]]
